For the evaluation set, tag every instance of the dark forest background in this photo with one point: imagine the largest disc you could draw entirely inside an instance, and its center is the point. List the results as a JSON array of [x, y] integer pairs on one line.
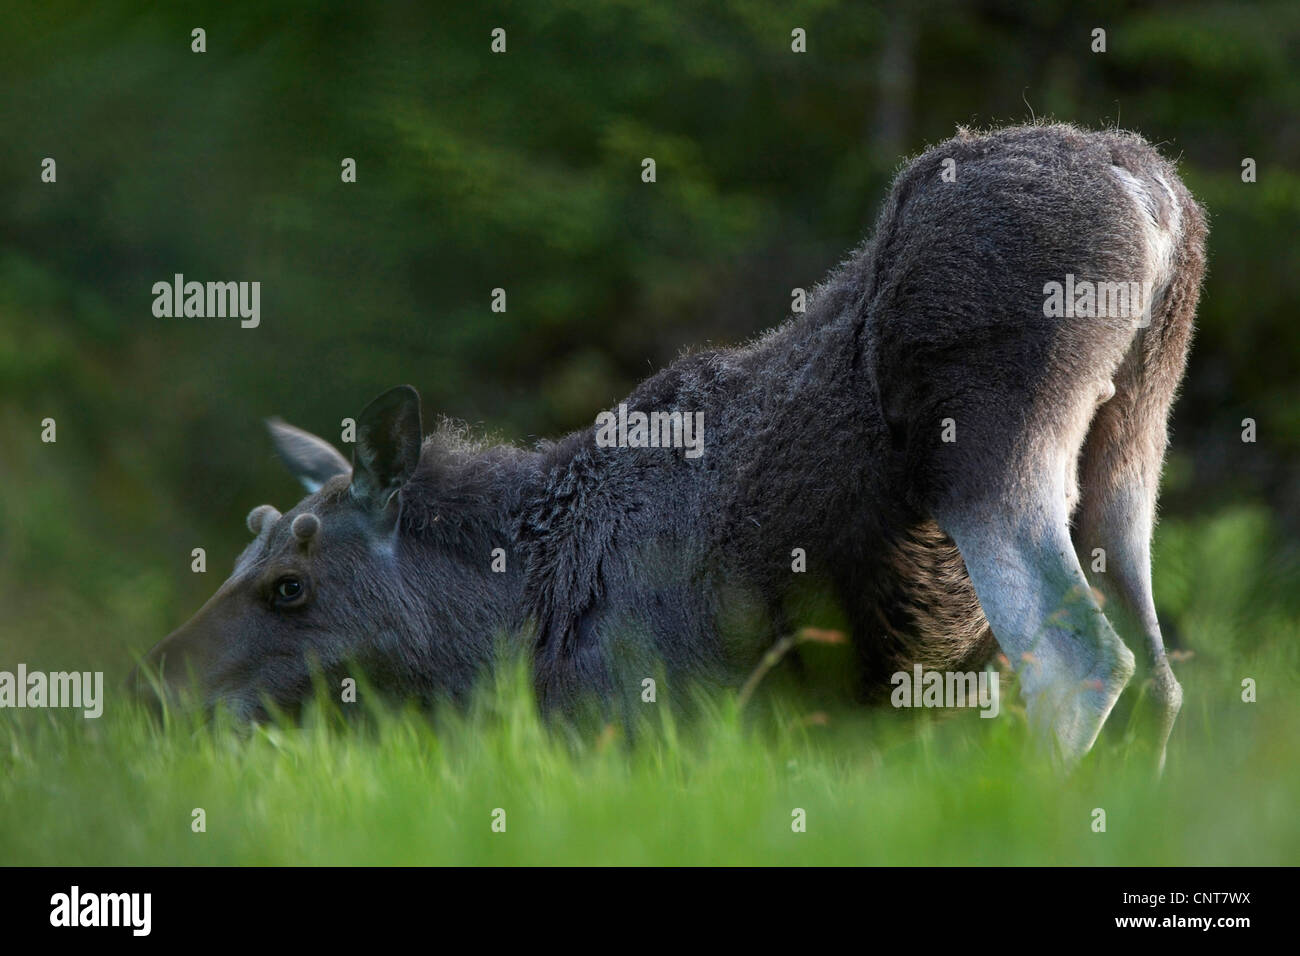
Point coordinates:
[[522, 171]]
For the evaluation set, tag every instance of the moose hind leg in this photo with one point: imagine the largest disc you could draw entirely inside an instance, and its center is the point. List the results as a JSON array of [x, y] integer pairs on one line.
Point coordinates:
[[1020, 558], [1121, 472]]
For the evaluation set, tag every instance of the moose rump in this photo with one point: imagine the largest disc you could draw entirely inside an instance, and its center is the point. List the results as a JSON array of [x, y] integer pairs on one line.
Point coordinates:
[[1009, 418]]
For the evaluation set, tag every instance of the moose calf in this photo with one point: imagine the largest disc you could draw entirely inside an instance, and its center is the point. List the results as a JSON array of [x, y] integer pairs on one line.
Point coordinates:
[[974, 399]]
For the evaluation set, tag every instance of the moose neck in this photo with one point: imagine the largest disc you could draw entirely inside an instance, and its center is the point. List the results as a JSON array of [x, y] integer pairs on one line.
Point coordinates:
[[459, 561]]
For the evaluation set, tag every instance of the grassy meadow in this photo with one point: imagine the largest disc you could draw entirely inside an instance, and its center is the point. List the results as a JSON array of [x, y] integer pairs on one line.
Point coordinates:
[[878, 786]]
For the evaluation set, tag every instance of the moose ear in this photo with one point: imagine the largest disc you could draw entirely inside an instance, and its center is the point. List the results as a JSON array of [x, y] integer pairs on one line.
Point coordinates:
[[312, 460], [388, 446]]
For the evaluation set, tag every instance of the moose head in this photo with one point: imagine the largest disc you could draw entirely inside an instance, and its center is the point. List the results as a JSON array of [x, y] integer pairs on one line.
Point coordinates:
[[338, 585]]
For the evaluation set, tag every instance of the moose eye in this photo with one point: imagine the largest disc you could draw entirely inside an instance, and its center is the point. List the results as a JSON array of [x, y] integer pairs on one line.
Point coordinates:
[[288, 589]]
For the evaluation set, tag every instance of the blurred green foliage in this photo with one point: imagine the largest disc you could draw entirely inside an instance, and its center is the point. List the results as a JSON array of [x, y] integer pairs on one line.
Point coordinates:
[[522, 171]]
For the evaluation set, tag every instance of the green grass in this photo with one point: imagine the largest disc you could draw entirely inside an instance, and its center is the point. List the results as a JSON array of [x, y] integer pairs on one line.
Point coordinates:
[[878, 786]]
